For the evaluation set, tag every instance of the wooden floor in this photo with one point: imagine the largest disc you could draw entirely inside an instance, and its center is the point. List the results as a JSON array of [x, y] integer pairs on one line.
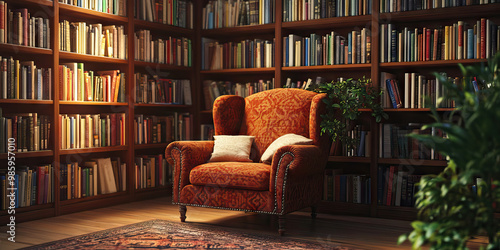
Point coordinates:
[[355, 232]]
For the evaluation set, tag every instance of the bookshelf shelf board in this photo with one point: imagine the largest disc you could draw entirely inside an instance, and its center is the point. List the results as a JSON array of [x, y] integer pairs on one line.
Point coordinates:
[[92, 14], [89, 58], [30, 154], [93, 198], [93, 103], [161, 66], [239, 30], [451, 13], [30, 208], [168, 29], [24, 101], [93, 150], [39, 2], [440, 63], [238, 71], [20, 49], [413, 162], [152, 145], [161, 105], [328, 23], [145, 190], [328, 67], [349, 159], [344, 208], [419, 110]]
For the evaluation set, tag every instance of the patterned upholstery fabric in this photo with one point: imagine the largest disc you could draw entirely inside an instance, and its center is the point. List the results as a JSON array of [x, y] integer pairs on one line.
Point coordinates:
[[294, 179], [227, 198], [253, 176]]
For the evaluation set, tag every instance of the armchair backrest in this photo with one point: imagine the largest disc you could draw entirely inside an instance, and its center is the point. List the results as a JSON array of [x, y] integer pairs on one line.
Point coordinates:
[[270, 114]]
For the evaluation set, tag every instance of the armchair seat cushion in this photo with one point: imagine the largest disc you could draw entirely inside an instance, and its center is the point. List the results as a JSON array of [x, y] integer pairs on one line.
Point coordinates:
[[238, 175]]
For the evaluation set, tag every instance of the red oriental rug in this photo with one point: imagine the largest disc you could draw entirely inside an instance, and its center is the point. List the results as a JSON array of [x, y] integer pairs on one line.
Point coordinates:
[[162, 234]]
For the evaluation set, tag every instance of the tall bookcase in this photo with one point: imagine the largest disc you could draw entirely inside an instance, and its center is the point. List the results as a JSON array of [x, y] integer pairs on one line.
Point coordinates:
[[52, 58], [368, 166]]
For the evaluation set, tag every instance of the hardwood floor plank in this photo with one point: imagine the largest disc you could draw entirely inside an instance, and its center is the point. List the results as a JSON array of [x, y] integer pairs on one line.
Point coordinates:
[[356, 232]]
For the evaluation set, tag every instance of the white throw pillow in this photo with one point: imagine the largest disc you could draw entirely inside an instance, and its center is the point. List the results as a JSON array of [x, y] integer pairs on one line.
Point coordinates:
[[284, 140], [232, 148]]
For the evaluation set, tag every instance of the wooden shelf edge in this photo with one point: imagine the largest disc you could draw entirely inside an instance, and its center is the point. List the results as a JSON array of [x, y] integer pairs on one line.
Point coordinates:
[[328, 22], [163, 105], [239, 30], [142, 24], [413, 162], [152, 145], [30, 154], [92, 198], [30, 208], [8, 47], [40, 2], [26, 101], [161, 66], [439, 63], [349, 159], [90, 58], [93, 103], [328, 67], [246, 70], [440, 13], [93, 150], [154, 189], [91, 13]]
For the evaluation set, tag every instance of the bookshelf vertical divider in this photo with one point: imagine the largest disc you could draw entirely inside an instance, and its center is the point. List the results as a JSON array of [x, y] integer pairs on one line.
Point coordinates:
[[131, 99], [55, 97]]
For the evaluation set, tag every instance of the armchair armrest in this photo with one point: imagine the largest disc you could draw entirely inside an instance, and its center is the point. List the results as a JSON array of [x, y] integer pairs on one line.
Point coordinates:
[[184, 156], [294, 166]]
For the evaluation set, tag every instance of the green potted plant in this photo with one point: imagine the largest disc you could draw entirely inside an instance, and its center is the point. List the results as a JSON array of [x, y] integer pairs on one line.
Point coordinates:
[[460, 202], [345, 99]]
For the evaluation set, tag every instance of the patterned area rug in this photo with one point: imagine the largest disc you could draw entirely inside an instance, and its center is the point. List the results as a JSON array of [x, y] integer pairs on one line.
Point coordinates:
[[164, 234]]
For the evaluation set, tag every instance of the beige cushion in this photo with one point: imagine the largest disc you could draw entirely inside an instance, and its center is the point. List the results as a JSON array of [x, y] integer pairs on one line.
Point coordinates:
[[284, 140], [232, 148]]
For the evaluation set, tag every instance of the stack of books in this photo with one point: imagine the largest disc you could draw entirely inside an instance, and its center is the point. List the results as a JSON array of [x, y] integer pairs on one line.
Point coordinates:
[[30, 131], [20, 28], [24, 80], [176, 13], [231, 13], [174, 51], [300, 10]]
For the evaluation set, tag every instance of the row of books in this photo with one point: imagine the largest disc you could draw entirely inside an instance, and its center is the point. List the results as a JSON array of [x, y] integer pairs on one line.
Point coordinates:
[[78, 84], [31, 185], [93, 39], [174, 51], [213, 89], [152, 171], [30, 131], [171, 12], [359, 146], [346, 187], [231, 13], [416, 92], [395, 143], [207, 132], [387, 6], [255, 53], [20, 28], [300, 10], [115, 7], [396, 186], [306, 84], [154, 129], [91, 178], [183, 126], [90, 131], [24, 80], [454, 42], [151, 89], [329, 49]]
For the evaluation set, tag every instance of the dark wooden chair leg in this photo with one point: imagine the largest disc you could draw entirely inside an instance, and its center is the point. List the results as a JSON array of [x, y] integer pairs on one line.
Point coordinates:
[[281, 223], [313, 212], [182, 211]]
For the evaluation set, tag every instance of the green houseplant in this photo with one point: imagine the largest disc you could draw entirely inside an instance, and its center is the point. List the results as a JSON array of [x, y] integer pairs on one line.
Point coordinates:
[[459, 203], [345, 99]]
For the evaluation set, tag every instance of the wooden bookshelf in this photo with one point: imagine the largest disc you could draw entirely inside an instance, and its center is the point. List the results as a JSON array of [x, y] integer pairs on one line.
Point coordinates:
[[239, 71], [429, 64], [52, 58], [329, 23], [363, 66], [239, 31]]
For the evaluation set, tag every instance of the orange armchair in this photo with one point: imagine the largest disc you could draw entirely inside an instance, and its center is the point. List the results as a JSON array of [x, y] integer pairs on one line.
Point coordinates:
[[294, 178]]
